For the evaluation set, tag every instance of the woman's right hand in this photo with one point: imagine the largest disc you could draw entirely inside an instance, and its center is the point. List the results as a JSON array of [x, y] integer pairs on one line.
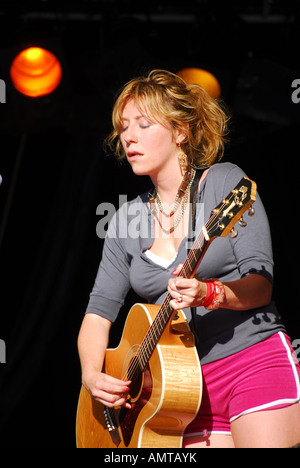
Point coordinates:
[[107, 390], [92, 344]]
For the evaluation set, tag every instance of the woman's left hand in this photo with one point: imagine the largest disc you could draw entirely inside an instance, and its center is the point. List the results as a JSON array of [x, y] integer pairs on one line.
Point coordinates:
[[186, 292]]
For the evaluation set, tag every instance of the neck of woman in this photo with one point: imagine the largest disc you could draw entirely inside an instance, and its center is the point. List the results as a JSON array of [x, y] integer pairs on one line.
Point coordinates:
[[167, 185]]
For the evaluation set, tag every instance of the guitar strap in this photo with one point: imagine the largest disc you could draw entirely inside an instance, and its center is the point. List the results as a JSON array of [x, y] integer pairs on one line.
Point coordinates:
[[192, 226], [193, 202]]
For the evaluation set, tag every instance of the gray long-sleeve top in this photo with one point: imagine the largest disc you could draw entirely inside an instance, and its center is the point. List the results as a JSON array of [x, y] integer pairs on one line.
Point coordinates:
[[220, 332]]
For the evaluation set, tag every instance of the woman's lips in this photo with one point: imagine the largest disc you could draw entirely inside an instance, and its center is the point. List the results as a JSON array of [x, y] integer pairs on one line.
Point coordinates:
[[133, 155]]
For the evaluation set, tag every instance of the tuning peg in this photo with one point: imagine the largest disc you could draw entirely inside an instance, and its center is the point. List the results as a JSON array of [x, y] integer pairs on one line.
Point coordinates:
[[233, 233], [251, 211], [242, 223]]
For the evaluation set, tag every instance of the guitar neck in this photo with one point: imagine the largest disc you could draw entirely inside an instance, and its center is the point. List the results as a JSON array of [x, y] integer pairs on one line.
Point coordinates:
[[195, 255], [165, 313]]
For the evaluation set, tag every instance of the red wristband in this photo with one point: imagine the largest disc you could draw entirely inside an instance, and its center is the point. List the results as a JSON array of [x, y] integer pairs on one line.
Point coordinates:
[[219, 295], [210, 293]]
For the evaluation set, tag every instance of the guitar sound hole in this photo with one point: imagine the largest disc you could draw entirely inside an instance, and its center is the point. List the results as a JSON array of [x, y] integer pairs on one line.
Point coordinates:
[[137, 378], [140, 391]]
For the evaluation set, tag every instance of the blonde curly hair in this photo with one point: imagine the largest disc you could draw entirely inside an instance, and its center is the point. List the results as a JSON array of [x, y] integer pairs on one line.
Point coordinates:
[[168, 99]]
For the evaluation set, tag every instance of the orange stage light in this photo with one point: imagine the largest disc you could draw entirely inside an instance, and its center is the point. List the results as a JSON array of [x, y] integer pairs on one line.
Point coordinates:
[[35, 72], [203, 78]]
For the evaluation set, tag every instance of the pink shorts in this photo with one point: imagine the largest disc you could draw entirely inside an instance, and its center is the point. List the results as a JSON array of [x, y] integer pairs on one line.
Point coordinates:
[[262, 377]]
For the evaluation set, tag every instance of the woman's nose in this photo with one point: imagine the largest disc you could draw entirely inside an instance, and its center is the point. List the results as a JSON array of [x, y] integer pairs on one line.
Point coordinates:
[[130, 136]]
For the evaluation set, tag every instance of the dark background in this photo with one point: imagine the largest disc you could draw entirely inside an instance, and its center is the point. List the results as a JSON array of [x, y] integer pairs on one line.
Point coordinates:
[[55, 172]]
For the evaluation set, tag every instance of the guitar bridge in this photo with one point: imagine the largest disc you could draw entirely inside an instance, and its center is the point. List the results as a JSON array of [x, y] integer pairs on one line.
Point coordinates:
[[111, 424]]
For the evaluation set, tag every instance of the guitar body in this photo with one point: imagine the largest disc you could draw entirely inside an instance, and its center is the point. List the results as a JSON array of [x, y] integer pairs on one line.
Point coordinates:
[[165, 399]]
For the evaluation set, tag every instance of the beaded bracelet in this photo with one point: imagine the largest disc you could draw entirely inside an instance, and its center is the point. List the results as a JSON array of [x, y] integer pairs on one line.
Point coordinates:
[[215, 294]]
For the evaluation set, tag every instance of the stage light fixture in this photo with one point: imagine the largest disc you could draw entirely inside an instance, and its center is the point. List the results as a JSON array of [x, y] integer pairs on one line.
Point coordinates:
[[35, 72], [203, 78]]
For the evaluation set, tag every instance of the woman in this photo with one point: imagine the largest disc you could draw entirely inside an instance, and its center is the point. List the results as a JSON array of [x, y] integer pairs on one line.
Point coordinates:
[[165, 128]]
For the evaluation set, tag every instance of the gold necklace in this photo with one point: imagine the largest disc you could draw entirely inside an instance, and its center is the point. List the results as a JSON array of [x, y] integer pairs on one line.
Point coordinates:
[[180, 201], [184, 187]]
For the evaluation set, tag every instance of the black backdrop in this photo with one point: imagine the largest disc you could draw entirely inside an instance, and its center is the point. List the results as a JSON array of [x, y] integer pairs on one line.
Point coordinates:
[[55, 172]]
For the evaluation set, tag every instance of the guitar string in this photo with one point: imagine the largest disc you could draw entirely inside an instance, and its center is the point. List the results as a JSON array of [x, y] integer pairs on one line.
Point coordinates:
[[147, 344], [164, 313]]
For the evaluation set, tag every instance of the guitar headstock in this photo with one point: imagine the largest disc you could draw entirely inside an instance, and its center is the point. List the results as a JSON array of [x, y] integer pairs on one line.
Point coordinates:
[[231, 210]]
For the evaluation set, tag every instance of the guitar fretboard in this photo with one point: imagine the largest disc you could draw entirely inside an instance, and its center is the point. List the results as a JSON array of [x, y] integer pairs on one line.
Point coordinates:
[[165, 312]]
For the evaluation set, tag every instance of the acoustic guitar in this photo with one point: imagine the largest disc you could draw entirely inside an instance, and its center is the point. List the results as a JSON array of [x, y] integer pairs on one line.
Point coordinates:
[[157, 354]]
